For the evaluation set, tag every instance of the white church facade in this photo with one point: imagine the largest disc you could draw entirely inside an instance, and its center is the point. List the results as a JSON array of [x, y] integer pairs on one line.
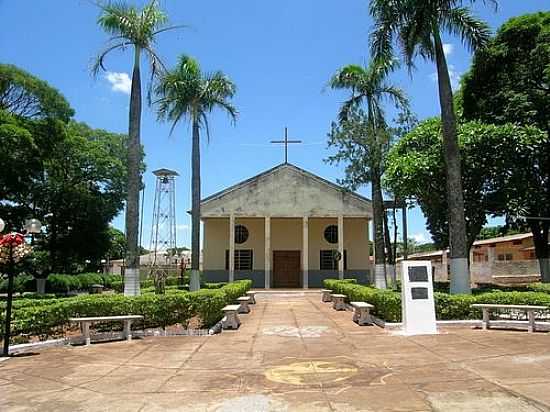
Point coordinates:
[[286, 228]]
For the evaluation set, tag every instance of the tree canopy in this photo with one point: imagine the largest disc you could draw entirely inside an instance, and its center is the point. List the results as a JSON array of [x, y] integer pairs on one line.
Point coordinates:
[[69, 176], [25, 95], [509, 81], [492, 183]]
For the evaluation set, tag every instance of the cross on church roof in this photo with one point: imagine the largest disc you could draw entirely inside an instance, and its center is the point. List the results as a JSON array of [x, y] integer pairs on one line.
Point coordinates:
[[286, 143]]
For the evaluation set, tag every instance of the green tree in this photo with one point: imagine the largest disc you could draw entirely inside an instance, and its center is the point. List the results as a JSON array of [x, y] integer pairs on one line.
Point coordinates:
[[417, 27], [416, 169], [136, 28], [70, 176], [82, 190], [186, 93], [25, 95], [509, 81], [117, 243], [362, 138], [489, 232]]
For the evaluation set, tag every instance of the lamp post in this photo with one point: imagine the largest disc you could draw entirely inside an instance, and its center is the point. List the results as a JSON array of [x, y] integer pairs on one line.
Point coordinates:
[[12, 249]]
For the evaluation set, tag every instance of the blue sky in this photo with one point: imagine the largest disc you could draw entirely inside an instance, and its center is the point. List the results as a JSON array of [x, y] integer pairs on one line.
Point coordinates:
[[279, 53]]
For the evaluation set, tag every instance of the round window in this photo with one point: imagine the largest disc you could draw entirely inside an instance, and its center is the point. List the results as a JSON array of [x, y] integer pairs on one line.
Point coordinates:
[[331, 234], [241, 234]]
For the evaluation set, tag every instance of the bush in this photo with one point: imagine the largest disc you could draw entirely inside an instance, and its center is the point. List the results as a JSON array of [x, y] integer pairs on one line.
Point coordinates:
[[539, 287], [21, 283], [387, 303], [213, 285], [42, 317], [109, 279], [58, 283]]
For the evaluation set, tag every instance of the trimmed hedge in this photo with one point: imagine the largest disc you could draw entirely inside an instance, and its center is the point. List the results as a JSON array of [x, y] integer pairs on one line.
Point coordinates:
[[387, 303], [43, 317], [64, 283]]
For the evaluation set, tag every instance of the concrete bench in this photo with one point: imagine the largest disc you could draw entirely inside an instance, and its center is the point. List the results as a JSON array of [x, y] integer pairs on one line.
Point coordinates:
[[231, 319], [338, 301], [252, 296], [126, 319], [243, 304], [529, 309], [325, 297], [361, 313]]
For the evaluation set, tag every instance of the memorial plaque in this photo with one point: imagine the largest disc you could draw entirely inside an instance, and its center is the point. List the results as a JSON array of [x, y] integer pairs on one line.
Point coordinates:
[[417, 299], [418, 274], [419, 293]]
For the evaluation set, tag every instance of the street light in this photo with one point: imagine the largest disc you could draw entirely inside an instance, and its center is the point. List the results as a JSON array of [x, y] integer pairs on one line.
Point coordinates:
[[12, 249]]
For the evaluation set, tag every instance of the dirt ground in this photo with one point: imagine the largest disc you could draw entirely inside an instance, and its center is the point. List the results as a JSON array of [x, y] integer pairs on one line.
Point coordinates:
[[291, 353]]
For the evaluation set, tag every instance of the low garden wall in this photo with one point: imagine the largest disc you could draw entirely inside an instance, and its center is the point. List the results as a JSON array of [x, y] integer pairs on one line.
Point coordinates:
[[387, 303], [45, 317]]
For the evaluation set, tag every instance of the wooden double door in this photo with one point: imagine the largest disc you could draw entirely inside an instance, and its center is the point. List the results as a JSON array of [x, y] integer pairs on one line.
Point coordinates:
[[286, 269]]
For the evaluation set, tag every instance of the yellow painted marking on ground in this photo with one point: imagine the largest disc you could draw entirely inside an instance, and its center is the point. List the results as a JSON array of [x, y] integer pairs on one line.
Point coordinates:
[[304, 373]]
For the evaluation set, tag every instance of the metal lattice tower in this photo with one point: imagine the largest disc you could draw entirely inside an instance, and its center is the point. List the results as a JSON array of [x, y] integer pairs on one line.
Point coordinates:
[[163, 231]]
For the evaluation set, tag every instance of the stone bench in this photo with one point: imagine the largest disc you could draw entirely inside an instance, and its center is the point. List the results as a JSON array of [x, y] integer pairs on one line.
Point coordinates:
[[361, 313], [529, 309], [338, 301], [325, 297], [252, 296], [243, 304], [231, 319], [126, 319]]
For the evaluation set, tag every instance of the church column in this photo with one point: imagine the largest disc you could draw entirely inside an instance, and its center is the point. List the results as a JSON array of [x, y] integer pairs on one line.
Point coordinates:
[[341, 247], [305, 252], [267, 251], [231, 247]]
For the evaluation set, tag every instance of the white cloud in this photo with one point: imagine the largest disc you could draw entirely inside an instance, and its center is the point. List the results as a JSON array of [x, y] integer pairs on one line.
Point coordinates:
[[182, 228], [448, 49], [420, 237], [120, 82], [453, 74]]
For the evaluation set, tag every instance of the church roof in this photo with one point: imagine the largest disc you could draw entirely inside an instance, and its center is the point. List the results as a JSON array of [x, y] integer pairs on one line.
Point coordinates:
[[266, 188]]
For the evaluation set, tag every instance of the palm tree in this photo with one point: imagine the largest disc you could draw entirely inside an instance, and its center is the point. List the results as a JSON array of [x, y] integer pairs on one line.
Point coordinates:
[[417, 25], [367, 85], [186, 93], [131, 27]]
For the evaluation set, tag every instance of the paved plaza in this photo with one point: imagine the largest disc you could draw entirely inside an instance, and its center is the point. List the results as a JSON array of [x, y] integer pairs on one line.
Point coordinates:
[[291, 353]]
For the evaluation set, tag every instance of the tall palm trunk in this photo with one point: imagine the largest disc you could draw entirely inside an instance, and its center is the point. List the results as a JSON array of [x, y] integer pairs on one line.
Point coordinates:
[[460, 271], [195, 208], [390, 255], [378, 220], [131, 274]]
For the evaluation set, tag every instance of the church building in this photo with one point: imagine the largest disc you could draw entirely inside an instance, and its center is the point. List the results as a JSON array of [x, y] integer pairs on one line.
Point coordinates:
[[286, 228]]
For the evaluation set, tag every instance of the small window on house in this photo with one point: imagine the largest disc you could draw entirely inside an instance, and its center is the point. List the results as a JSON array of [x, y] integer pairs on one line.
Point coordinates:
[[517, 242], [241, 234], [509, 256], [243, 259], [501, 257], [331, 234], [328, 262]]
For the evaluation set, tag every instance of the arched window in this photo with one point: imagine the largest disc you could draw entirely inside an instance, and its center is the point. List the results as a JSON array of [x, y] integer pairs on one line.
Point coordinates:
[[241, 234], [331, 234]]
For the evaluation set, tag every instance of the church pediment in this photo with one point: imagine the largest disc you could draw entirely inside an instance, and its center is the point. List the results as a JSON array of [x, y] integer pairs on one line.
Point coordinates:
[[286, 191]]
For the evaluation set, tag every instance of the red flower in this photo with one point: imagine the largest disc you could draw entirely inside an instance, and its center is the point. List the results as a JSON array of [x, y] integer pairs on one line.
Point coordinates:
[[13, 239]]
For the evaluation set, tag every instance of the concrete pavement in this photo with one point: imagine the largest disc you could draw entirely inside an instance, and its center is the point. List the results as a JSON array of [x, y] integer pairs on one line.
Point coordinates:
[[291, 353]]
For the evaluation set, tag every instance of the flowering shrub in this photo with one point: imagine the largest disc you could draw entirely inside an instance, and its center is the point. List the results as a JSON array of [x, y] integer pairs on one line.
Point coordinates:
[[15, 242]]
